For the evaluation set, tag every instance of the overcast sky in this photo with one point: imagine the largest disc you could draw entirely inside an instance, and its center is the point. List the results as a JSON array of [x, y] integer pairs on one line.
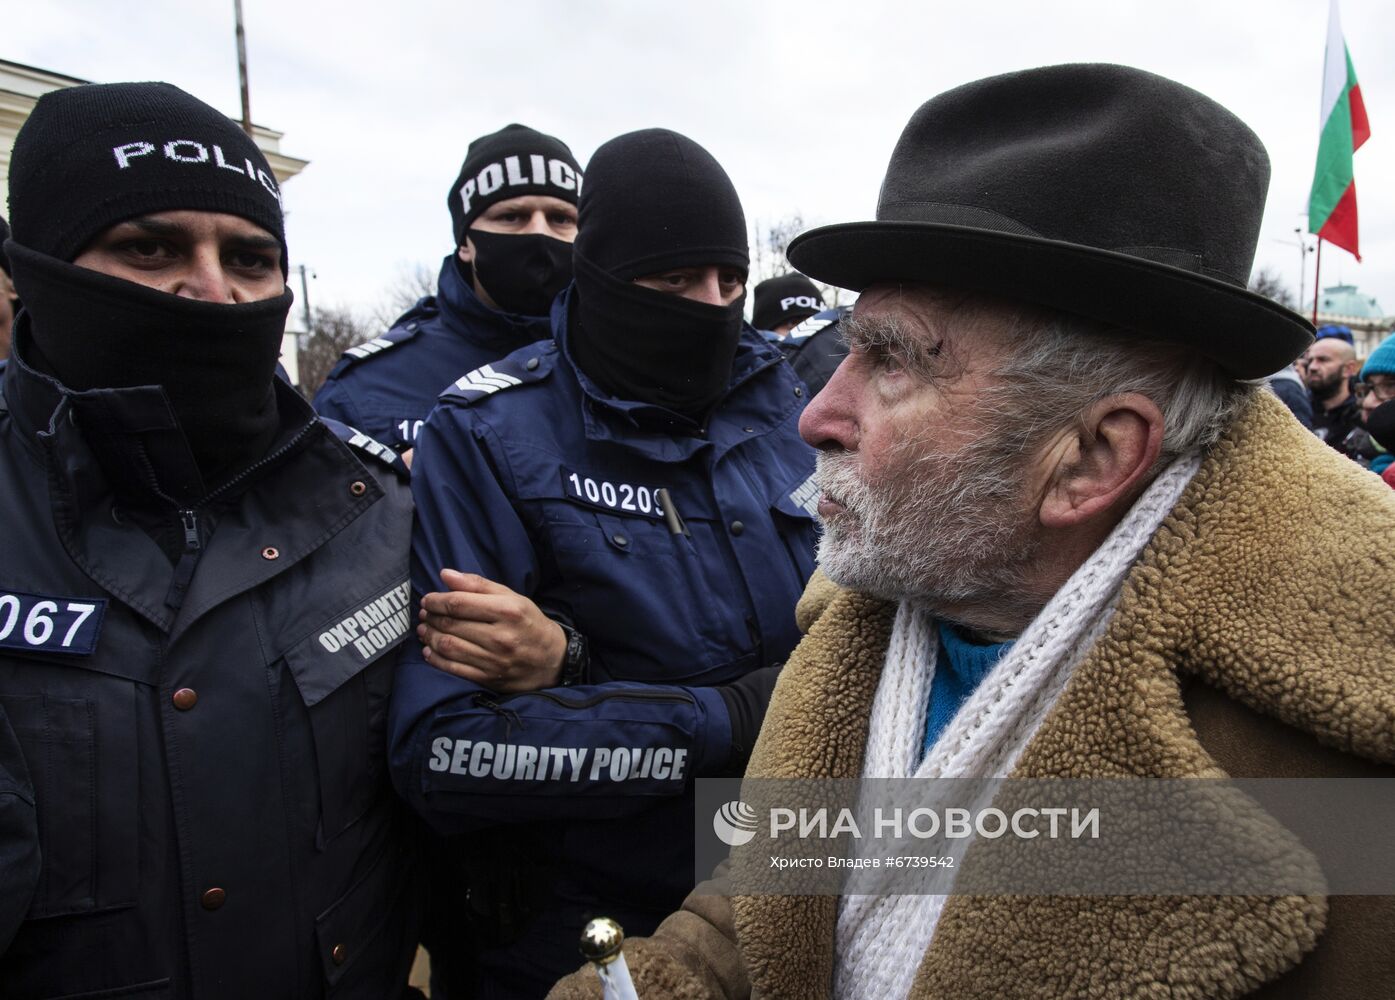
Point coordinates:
[[801, 102]]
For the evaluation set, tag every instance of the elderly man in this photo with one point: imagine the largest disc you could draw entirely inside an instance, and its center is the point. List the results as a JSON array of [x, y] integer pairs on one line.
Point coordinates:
[[1053, 508]]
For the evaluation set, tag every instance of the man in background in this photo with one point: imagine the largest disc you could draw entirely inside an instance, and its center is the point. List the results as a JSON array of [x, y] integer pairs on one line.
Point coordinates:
[[783, 303], [1330, 364], [513, 219]]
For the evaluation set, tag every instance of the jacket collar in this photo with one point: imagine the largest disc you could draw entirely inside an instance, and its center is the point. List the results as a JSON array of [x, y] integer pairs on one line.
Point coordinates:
[[467, 316], [302, 496], [1203, 599]]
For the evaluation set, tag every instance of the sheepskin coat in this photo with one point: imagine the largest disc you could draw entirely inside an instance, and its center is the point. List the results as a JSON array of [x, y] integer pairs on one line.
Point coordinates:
[[1249, 641]]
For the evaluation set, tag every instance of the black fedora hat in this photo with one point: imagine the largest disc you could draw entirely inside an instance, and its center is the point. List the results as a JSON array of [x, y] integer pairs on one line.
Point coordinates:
[[1098, 190]]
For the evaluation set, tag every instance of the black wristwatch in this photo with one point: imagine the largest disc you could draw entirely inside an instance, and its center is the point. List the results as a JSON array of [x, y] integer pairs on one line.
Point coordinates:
[[577, 659]]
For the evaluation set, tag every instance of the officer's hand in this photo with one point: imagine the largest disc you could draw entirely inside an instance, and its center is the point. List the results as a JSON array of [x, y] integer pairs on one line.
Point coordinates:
[[489, 634]]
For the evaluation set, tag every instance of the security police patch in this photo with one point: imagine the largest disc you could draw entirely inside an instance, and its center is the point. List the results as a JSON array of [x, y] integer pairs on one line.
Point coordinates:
[[34, 622]]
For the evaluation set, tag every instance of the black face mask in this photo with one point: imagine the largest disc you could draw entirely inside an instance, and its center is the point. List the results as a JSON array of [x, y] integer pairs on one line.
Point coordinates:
[[1380, 424], [653, 347], [214, 362], [522, 274]]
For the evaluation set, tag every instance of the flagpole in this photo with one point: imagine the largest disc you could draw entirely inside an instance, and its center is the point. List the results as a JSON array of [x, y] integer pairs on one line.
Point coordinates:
[[1317, 279]]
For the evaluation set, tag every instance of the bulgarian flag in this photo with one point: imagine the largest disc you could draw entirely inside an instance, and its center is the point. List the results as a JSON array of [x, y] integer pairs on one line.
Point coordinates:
[[1332, 203]]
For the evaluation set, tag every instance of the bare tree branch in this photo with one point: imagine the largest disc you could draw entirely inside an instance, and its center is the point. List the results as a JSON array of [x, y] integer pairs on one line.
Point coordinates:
[[413, 282], [1268, 283], [335, 330], [768, 259]]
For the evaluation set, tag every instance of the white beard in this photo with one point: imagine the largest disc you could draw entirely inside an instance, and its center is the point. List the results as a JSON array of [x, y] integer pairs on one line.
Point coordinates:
[[954, 527]]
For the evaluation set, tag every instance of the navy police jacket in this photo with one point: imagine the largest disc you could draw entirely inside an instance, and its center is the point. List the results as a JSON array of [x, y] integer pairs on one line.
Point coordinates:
[[681, 559], [207, 764], [386, 387]]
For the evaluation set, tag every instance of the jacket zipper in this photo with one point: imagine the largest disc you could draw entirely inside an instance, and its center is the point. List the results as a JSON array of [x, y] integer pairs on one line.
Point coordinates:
[[188, 559], [189, 521]]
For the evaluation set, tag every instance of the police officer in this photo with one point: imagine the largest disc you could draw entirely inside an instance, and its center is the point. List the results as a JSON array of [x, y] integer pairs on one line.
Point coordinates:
[[201, 590], [630, 507], [782, 303], [513, 216]]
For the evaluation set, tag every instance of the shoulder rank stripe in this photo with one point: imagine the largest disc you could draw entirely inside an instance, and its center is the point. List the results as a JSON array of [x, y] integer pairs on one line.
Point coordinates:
[[486, 380], [809, 327], [372, 347], [374, 447]]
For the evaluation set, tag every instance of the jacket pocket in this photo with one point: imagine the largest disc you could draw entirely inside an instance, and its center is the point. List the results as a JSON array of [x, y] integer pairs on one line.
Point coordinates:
[[82, 760], [344, 673], [366, 939]]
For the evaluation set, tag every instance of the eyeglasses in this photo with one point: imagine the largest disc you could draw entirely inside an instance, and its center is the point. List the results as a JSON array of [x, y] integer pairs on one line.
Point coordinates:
[[1383, 391]]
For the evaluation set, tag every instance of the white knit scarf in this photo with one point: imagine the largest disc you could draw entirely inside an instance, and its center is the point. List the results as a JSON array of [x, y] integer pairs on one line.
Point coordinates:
[[881, 939]]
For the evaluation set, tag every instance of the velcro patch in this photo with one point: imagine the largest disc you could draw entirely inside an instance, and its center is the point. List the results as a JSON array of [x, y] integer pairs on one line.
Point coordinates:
[[625, 498], [35, 622]]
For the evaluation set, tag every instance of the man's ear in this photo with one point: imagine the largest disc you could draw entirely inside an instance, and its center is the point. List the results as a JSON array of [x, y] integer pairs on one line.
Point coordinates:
[[466, 251], [1102, 460]]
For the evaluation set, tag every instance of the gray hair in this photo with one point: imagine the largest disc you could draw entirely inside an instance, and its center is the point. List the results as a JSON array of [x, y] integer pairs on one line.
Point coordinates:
[[1058, 365]]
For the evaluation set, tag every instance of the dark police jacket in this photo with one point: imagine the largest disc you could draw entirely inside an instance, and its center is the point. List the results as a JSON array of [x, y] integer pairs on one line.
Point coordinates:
[[816, 347], [387, 386], [213, 809], [528, 474]]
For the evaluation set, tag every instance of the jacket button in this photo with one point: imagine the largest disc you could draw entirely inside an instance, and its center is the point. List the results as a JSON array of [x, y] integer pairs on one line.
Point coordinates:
[[737, 527], [357, 488], [619, 539], [213, 898], [185, 699], [532, 364], [271, 552], [339, 954], [798, 391]]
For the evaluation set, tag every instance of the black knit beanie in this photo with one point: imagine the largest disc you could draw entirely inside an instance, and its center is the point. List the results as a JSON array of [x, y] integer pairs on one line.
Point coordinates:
[[89, 157], [509, 163], [4, 235], [786, 299], [659, 201]]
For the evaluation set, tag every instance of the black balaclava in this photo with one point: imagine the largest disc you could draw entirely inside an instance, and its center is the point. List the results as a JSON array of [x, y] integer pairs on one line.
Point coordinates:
[[656, 201], [786, 299], [521, 273], [92, 156]]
